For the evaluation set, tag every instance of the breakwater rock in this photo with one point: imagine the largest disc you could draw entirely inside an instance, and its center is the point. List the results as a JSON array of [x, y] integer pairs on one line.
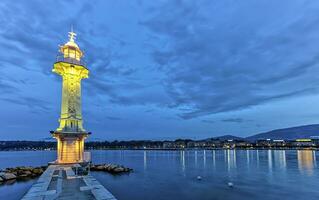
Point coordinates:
[[110, 168], [16, 173]]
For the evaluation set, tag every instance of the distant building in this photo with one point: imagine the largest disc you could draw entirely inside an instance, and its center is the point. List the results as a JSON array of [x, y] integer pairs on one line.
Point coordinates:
[[264, 143], [303, 142], [168, 145], [278, 143], [315, 140], [243, 144]]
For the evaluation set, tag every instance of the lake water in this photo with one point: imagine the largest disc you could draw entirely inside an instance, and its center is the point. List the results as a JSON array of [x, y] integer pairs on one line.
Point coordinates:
[[159, 175]]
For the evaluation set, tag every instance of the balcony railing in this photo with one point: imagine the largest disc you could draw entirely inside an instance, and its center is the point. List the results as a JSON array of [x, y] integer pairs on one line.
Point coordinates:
[[61, 58]]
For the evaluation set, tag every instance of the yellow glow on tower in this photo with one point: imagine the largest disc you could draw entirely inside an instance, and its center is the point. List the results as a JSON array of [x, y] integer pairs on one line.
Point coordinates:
[[70, 135]]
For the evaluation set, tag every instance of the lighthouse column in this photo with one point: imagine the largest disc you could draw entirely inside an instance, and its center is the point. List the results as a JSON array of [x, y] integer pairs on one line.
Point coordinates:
[[70, 135]]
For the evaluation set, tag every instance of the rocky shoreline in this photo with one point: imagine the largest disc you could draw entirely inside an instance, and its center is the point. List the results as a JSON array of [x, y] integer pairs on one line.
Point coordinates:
[[20, 173], [10, 175], [110, 168]]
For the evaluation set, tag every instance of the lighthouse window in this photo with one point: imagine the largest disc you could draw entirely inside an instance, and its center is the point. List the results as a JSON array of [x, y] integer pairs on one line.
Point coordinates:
[[77, 56], [72, 53], [66, 53]]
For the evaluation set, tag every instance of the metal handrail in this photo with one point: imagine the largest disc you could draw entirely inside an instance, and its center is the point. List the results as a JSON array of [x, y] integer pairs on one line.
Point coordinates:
[[61, 58]]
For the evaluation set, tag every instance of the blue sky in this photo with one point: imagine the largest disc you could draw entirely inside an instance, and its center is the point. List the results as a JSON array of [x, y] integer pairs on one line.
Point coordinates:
[[162, 69]]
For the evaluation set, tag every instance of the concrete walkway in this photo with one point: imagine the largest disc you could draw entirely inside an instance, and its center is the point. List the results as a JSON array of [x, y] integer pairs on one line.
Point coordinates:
[[60, 182]]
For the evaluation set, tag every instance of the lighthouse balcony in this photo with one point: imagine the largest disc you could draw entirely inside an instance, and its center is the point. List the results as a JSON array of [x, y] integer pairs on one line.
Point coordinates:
[[62, 58]]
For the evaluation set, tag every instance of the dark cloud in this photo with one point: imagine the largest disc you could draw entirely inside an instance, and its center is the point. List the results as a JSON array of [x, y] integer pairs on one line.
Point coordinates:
[[230, 61], [149, 111], [34, 104], [6, 88], [228, 120], [208, 121], [182, 59], [113, 118], [234, 120]]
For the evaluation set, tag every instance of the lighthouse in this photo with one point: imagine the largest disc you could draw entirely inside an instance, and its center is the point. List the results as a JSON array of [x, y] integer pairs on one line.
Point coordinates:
[[70, 135]]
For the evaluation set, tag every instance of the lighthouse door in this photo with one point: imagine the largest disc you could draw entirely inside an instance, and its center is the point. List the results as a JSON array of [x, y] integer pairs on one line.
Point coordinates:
[[71, 151]]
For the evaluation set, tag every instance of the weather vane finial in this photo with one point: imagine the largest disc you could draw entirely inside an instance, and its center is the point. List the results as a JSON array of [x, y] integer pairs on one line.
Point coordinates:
[[72, 34]]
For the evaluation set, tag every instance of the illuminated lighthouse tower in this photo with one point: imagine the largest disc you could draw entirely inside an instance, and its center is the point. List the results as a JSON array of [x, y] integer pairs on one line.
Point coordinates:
[[70, 135]]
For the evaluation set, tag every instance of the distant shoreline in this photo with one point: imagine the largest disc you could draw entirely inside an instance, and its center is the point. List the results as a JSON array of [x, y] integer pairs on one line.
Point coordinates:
[[165, 149], [212, 144]]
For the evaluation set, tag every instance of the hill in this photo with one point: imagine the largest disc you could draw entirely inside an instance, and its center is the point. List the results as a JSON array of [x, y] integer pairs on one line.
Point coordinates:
[[226, 137], [288, 133]]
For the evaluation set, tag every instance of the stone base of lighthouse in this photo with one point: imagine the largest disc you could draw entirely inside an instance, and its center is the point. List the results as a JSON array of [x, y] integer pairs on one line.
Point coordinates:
[[70, 147]]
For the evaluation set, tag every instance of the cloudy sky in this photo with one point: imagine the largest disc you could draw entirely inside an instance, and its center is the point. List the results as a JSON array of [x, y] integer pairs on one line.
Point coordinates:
[[162, 69]]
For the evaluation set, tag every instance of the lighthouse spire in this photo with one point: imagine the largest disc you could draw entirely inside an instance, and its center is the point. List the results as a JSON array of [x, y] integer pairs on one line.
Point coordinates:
[[70, 49], [72, 35]]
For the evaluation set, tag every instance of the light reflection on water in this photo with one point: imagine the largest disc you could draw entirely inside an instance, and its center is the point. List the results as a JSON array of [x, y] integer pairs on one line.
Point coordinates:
[[262, 174], [231, 159], [159, 175], [145, 159], [306, 161]]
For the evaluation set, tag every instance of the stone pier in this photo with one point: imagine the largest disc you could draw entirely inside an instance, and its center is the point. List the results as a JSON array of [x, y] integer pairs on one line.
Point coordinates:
[[61, 182]]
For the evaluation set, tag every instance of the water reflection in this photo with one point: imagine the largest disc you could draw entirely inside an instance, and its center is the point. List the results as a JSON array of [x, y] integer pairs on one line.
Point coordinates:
[[314, 158], [231, 159], [164, 179], [280, 158], [257, 156], [214, 159], [269, 160], [305, 161], [195, 158], [204, 158], [248, 157], [182, 155], [145, 159]]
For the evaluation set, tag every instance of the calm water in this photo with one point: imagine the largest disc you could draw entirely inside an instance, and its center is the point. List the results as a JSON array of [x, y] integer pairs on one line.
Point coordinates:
[[160, 175]]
